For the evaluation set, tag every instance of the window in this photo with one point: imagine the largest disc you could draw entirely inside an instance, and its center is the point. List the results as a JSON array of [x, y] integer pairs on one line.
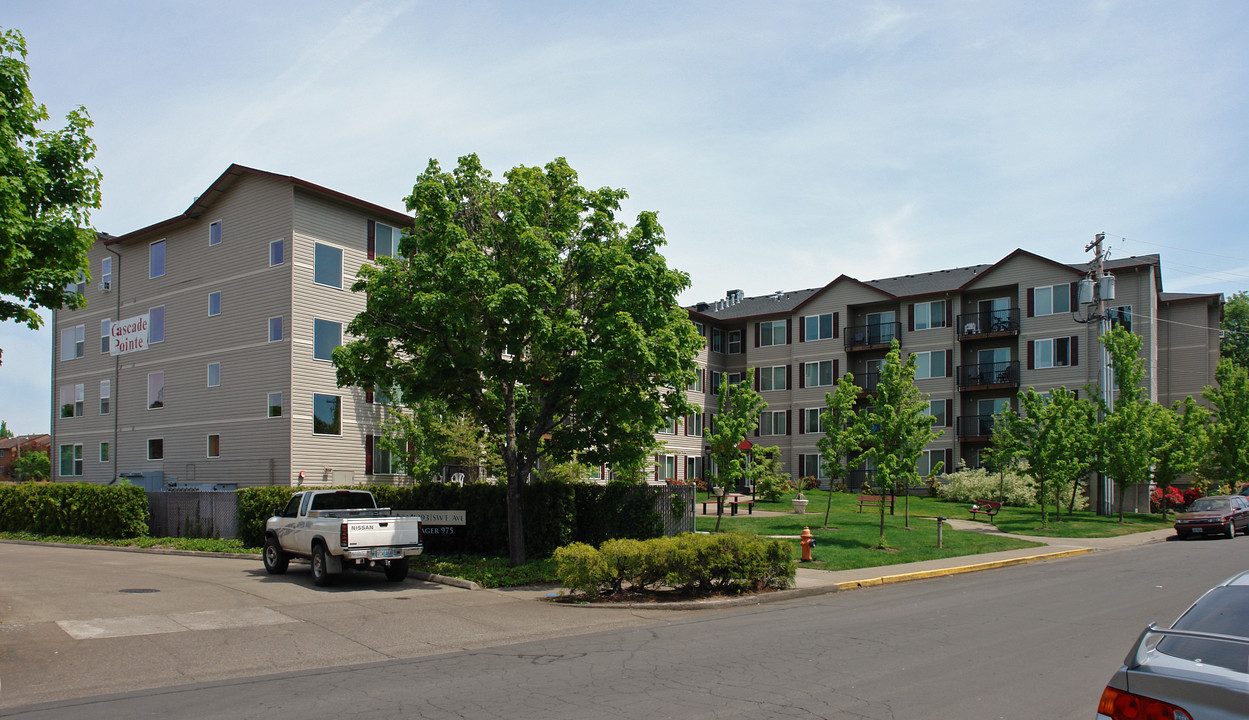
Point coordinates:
[[929, 460], [936, 408], [772, 378], [812, 422], [772, 422], [816, 462], [818, 374], [697, 385], [735, 342], [716, 380], [155, 390], [106, 273], [276, 254], [383, 463], [326, 336], [106, 329], [214, 304], [327, 415], [275, 404], [72, 398], [327, 266], [214, 374], [702, 330], [103, 452], [667, 468], [693, 468], [214, 233], [695, 426], [156, 259], [73, 342], [106, 394], [930, 315], [736, 378], [156, 325], [1055, 352], [930, 364], [772, 332], [818, 327], [387, 240], [717, 340], [71, 460], [214, 446], [275, 329], [1121, 317], [76, 287], [670, 427], [156, 449], [1052, 299]]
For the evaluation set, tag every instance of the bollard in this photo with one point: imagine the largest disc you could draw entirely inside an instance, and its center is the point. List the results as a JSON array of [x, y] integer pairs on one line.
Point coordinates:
[[940, 525], [807, 541]]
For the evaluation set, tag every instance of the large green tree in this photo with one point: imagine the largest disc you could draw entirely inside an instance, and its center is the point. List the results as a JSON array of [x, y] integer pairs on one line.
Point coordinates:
[[46, 195], [527, 306], [1234, 343], [1180, 442], [1228, 449], [737, 414], [1056, 436], [842, 443], [1127, 431], [899, 427], [32, 465]]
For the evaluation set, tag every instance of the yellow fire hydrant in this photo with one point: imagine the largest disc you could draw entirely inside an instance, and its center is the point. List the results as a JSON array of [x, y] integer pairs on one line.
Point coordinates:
[[807, 541]]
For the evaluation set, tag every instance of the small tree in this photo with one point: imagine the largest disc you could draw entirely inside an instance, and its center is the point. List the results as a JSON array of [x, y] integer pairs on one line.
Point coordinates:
[[842, 442], [1228, 450], [1055, 435], [1127, 439], [737, 413], [5, 432], [33, 465], [1180, 435], [766, 472], [1234, 343]]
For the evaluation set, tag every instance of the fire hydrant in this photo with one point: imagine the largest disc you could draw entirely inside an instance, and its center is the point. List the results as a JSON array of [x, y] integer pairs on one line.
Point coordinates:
[[807, 541]]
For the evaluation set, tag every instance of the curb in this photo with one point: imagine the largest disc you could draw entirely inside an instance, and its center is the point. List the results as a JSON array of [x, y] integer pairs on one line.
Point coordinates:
[[926, 574]]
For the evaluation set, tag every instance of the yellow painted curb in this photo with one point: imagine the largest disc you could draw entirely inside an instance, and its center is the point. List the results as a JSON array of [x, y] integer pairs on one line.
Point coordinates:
[[925, 574]]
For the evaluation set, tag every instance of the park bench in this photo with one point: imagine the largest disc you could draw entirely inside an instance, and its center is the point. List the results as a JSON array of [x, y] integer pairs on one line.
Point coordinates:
[[985, 507], [732, 501], [874, 501]]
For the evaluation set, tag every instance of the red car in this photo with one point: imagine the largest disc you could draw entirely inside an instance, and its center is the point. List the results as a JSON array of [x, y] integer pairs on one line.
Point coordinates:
[[1213, 515]]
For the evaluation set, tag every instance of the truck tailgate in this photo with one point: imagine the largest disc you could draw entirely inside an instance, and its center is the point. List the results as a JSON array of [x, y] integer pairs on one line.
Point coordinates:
[[382, 532]]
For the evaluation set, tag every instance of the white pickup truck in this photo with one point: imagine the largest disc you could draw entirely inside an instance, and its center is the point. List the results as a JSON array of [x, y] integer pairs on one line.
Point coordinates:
[[340, 529]]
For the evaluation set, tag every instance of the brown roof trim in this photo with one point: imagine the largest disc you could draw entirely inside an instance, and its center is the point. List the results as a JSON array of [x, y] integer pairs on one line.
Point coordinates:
[[1014, 254], [231, 175], [1189, 297], [839, 279]]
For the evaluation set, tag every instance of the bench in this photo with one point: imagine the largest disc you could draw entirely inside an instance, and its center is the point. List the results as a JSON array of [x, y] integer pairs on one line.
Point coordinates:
[[875, 501], [988, 508], [732, 501]]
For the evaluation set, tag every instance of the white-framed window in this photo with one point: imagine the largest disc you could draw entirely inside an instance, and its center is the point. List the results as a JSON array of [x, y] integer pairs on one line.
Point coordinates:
[[156, 448], [106, 273], [697, 385], [813, 422], [106, 330], [735, 342], [214, 303], [736, 378], [156, 259], [930, 315], [327, 268], [929, 460], [818, 374], [103, 452], [78, 286], [670, 427], [693, 467], [275, 404], [327, 414], [772, 378], [156, 390], [717, 340], [716, 379], [667, 468], [818, 327], [772, 332], [73, 342], [1121, 316], [156, 325], [694, 425], [214, 446], [383, 462], [814, 460], [326, 335], [772, 422], [936, 408], [214, 374], [72, 400], [71, 460], [387, 240], [929, 364], [275, 329], [106, 396], [702, 330], [214, 233], [277, 252], [1051, 299], [1052, 352]]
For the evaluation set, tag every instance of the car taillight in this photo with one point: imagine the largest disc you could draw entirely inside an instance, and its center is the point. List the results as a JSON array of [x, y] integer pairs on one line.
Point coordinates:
[[1123, 705], [342, 535]]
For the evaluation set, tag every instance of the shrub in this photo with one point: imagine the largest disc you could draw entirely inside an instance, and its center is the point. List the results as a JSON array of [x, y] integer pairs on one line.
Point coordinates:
[[581, 568], [626, 562], [1192, 494], [970, 485], [256, 505], [1174, 499], [84, 509]]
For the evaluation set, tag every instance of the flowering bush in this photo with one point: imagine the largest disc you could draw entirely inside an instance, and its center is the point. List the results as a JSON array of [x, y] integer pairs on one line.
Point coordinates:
[[1174, 499], [1192, 494], [970, 485]]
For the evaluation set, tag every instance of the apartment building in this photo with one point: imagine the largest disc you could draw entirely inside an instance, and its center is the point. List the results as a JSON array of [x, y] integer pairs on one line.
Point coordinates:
[[202, 356], [980, 334]]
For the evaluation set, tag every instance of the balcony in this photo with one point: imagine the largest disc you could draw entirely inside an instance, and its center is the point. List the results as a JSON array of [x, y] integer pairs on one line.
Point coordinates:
[[975, 427], [988, 324], [866, 381], [872, 337], [856, 478], [989, 376]]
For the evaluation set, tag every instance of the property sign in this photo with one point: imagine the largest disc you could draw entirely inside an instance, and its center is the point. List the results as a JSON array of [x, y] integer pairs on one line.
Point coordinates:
[[437, 517], [129, 335]]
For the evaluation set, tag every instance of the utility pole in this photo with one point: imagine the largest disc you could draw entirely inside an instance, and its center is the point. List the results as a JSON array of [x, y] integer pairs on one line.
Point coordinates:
[[1095, 289]]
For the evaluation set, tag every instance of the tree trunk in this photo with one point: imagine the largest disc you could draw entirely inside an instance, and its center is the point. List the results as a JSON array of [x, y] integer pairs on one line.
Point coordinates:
[[516, 472], [1075, 489], [881, 544], [907, 507]]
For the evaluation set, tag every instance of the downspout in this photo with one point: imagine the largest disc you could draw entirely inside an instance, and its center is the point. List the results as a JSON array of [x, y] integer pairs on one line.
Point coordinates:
[[115, 391]]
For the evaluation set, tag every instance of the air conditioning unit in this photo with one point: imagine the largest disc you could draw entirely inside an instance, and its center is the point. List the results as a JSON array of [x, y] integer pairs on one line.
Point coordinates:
[[105, 285]]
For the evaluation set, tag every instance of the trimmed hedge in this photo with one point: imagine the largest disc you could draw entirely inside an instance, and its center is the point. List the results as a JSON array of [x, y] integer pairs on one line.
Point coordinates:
[[83, 509]]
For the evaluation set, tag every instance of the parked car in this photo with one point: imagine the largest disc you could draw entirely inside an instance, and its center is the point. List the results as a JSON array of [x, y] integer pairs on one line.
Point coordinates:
[[1197, 668], [1244, 490], [1213, 515]]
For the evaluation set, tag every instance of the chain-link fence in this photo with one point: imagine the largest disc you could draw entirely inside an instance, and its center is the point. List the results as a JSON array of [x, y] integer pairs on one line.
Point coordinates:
[[193, 513]]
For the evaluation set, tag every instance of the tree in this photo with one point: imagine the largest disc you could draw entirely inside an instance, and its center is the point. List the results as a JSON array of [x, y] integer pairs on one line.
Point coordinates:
[[1056, 436], [1228, 450], [46, 195], [843, 434], [899, 427], [1234, 344], [1180, 436], [737, 413], [528, 308], [1127, 438], [5, 432], [32, 465]]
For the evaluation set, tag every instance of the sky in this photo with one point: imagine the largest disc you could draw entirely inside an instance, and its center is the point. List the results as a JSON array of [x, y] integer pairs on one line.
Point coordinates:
[[782, 144]]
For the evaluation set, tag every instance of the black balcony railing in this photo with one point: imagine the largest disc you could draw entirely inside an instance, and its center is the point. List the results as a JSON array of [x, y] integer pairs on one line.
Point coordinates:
[[856, 478], [975, 427], [988, 375], [867, 380], [992, 323], [870, 337]]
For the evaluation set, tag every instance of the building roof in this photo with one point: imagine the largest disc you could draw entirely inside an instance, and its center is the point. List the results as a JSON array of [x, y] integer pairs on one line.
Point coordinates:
[[1181, 297], [226, 180], [16, 440]]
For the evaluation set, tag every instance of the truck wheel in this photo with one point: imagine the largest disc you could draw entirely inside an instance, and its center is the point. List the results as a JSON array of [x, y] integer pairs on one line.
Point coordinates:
[[397, 570], [320, 573], [276, 560]]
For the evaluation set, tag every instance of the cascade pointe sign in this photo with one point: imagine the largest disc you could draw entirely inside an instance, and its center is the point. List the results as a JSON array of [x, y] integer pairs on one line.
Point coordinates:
[[129, 335]]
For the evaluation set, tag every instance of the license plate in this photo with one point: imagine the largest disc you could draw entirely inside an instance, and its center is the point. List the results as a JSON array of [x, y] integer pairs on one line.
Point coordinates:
[[1197, 530], [384, 553]]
